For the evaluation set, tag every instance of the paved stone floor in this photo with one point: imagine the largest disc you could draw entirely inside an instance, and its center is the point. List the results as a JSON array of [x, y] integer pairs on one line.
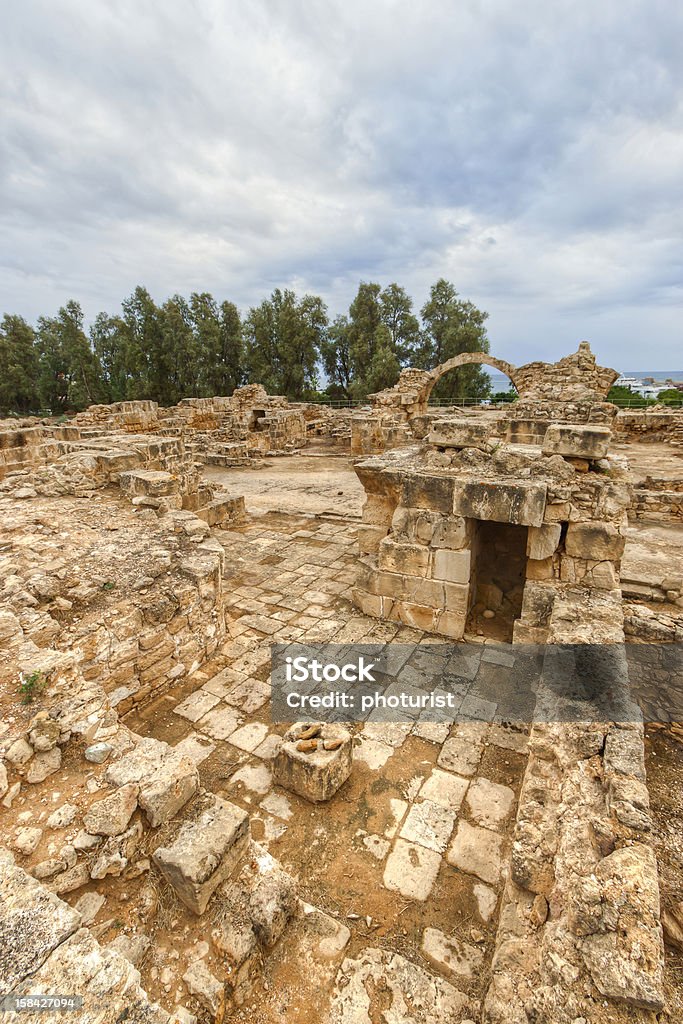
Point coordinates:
[[409, 852]]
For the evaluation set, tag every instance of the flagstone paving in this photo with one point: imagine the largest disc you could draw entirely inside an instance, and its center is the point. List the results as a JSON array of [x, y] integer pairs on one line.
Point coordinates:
[[411, 846]]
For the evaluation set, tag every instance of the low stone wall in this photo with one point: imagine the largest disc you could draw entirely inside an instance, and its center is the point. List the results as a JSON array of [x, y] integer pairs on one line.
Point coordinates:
[[658, 503], [377, 433], [136, 613], [647, 424]]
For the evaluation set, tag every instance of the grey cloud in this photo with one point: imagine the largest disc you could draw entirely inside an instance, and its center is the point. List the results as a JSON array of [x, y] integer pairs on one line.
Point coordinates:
[[533, 154]]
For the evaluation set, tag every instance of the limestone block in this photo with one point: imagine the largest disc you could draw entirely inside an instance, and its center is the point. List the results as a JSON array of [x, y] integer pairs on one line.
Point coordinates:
[[477, 851], [235, 941], [537, 603], [457, 598], [166, 778], [207, 989], [33, 922], [625, 958], [542, 541], [520, 503], [451, 532], [453, 566], [459, 433], [411, 559], [205, 853], [170, 787], [108, 983], [44, 732], [579, 440], [221, 510], [594, 541], [370, 537], [150, 482], [315, 774], [421, 490], [110, 816], [272, 896], [540, 569]]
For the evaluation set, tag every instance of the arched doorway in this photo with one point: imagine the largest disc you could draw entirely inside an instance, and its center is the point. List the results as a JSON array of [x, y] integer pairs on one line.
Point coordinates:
[[464, 359]]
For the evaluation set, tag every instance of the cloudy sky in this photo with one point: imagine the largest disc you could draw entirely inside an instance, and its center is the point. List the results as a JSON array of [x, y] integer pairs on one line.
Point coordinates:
[[529, 151]]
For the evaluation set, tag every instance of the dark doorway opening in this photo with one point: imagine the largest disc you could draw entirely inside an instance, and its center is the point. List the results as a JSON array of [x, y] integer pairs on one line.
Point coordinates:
[[497, 581]]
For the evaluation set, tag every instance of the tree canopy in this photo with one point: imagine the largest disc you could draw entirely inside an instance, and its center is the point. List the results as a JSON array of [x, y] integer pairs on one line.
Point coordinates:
[[198, 347]]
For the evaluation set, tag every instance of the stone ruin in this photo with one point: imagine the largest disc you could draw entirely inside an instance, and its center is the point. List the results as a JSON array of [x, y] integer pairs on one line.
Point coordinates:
[[171, 855], [475, 525]]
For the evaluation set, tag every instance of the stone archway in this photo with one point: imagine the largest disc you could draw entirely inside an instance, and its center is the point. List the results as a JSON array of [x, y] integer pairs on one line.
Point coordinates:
[[463, 359]]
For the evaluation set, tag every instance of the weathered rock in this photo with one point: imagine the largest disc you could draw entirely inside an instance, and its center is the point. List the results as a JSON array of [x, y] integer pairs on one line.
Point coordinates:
[[62, 817], [72, 878], [43, 765], [132, 947], [110, 817], [167, 778], [97, 753], [316, 774], [207, 988], [88, 906], [44, 732], [272, 896], [116, 852], [27, 840], [581, 441], [19, 753], [205, 853], [380, 984], [33, 922]]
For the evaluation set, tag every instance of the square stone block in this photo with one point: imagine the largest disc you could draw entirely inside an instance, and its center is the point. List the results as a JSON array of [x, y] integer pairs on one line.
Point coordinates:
[[477, 851], [579, 440], [313, 772], [453, 566], [411, 559], [459, 433], [521, 504], [594, 541], [205, 853], [429, 824], [411, 870], [542, 541]]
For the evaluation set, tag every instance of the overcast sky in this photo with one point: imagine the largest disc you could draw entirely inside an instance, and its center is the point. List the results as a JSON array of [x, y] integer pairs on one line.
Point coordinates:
[[531, 152]]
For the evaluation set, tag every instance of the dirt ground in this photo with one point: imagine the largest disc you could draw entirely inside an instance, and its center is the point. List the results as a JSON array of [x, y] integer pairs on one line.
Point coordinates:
[[296, 483]]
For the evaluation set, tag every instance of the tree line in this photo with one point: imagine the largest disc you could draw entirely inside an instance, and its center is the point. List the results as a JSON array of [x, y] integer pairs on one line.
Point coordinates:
[[198, 347]]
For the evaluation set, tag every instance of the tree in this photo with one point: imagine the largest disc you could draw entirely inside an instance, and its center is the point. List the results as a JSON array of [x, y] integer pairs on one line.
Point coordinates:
[[69, 374], [374, 308], [336, 357], [451, 326], [283, 338], [178, 352], [621, 395], [19, 362], [218, 344], [404, 330], [672, 396], [145, 361], [108, 340], [365, 316], [230, 373], [385, 366]]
